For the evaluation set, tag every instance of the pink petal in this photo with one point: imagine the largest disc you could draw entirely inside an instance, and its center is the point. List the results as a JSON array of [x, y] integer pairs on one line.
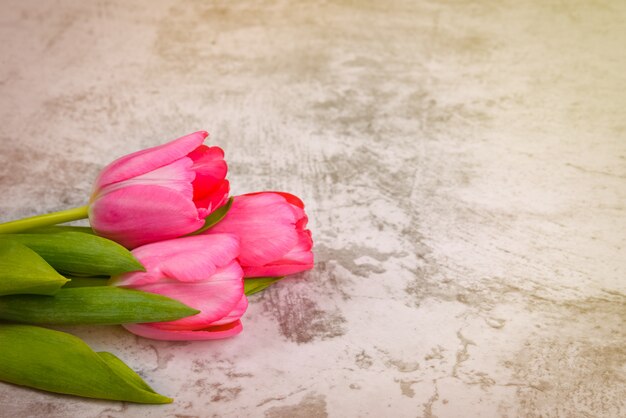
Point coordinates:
[[143, 161], [133, 279], [186, 259], [211, 333], [216, 198], [290, 198], [302, 221], [264, 223], [298, 259], [215, 297], [137, 215], [204, 153], [176, 176], [277, 270], [302, 251], [235, 314], [210, 168], [189, 259]]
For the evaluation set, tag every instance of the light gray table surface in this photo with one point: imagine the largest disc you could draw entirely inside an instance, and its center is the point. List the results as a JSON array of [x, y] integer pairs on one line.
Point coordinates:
[[463, 165]]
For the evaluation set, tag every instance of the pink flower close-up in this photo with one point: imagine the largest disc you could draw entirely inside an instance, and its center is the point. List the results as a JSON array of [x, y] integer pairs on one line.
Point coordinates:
[[159, 193], [200, 271], [271, 228]]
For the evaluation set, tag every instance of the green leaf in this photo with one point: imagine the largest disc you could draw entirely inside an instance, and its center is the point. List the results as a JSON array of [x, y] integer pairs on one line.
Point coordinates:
[[102, 305], [78, 253], [60, 228], [85, 281], [215, 217], [125, 372], [58, 362], [257, 284], [23, 271]]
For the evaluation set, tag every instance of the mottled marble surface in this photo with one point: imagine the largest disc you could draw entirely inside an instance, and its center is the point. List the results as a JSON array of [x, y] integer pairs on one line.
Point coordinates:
[[464, 167]]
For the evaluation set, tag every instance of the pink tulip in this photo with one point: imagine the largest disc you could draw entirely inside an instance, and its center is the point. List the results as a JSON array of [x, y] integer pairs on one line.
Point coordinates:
[[200, 271], [270, 226], [159, 193]]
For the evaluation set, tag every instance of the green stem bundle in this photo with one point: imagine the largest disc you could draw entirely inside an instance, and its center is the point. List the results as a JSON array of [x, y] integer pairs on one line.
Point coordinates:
[[48, 219]]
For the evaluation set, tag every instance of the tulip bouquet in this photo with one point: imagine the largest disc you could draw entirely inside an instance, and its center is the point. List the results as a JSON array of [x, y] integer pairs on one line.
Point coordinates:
[[168, 255]]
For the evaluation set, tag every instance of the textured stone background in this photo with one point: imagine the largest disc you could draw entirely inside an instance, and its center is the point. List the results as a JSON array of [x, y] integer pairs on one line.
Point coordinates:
[[464, 167]]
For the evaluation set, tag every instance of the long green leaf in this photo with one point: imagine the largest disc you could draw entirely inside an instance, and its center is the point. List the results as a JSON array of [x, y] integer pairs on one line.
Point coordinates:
[[257, 284], [23, 271], [101, 305], [122, 370], [58, 362], [78, 253]]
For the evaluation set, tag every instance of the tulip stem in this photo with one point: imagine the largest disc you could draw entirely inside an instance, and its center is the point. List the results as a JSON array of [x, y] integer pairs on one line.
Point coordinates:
[[48, 219]]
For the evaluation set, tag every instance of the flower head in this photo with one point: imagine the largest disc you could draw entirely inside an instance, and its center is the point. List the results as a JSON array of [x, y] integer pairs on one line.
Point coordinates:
[[159, 193], [271, 228], [200, 271]]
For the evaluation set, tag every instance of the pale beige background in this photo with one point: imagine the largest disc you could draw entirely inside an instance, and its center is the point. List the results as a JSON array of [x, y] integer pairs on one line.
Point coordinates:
[[464, 167]]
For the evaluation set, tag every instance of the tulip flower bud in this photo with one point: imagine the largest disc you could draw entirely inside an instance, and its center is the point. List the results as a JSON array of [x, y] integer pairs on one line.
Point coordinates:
[[271, 228], [200, 271], [159, 193]]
